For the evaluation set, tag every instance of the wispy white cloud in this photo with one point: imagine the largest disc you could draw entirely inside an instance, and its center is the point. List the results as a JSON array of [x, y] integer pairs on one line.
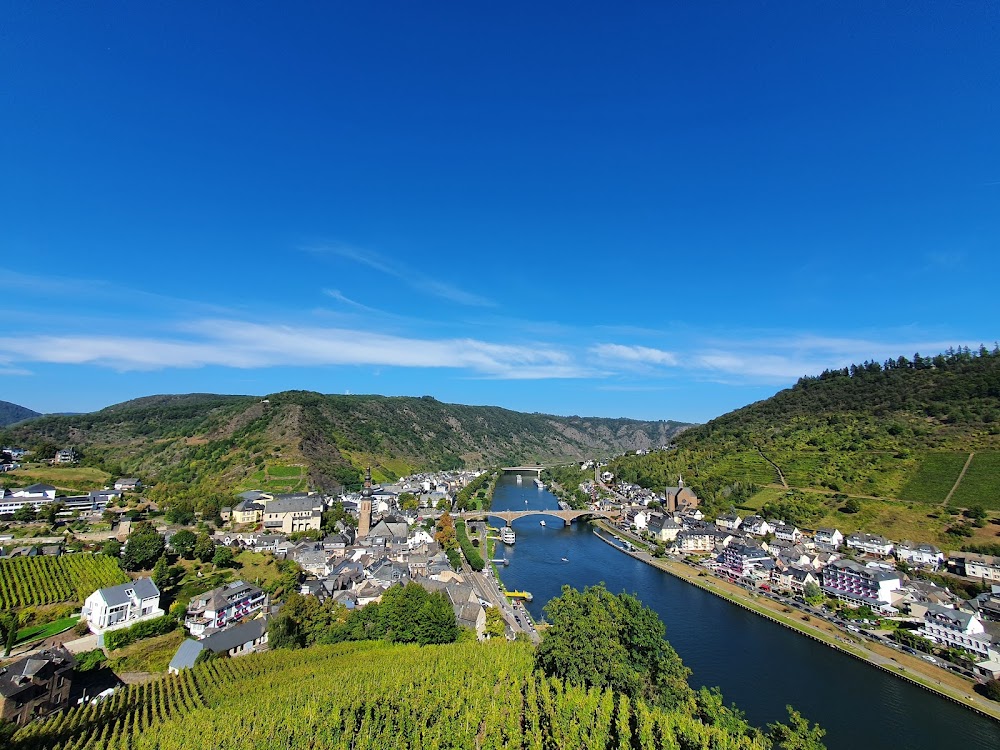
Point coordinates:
[[337, 295], [418, 281], [241, 344], [634, 355], [770, 359]]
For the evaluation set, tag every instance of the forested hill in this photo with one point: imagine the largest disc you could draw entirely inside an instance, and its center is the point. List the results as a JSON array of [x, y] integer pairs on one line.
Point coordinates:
[[225, 442], [11, 413], [903, 428]]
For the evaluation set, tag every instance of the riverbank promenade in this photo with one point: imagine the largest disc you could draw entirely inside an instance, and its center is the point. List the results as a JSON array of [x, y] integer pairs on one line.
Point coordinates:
[[879, 655]]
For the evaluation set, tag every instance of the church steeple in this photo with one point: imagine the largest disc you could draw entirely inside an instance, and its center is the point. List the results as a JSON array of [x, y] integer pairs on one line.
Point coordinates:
[[365, 507]]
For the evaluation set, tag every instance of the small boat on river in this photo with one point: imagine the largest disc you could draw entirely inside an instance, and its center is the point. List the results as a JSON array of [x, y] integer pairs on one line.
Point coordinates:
[[542, 522]]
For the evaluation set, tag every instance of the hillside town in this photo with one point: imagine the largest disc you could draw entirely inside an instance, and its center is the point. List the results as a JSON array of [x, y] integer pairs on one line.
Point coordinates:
[[389, 534]]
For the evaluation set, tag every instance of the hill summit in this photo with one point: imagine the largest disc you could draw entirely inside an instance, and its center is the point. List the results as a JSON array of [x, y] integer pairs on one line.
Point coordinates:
[[11, 413], [219, 442], [920, 429]]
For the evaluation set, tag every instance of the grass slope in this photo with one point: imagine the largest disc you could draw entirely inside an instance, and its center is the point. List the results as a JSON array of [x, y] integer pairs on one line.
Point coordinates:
[[981, 483], [897, 432]]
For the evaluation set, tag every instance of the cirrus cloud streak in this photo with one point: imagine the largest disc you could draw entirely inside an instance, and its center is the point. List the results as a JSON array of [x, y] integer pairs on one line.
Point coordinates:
[[240, 344]]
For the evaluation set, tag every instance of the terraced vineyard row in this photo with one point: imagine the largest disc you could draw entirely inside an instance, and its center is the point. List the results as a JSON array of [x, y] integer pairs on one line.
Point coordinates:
[[30, 581], [370, 696]]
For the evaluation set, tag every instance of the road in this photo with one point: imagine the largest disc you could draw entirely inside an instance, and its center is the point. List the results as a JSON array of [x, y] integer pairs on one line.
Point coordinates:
[[487, 588], [865, 644]]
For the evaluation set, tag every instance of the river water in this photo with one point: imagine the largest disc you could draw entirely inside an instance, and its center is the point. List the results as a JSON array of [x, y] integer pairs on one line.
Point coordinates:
[[760, 666]]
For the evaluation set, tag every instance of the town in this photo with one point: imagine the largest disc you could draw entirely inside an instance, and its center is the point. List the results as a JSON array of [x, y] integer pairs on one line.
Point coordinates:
[[351, 548]]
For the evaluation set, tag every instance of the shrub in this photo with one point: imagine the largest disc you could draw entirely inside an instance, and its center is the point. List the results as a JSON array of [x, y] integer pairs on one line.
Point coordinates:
[[991, 689], [90, 660]]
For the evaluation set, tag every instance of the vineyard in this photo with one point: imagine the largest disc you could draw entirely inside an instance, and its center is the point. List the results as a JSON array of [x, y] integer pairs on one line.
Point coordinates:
[[30, 581], [375, 697]]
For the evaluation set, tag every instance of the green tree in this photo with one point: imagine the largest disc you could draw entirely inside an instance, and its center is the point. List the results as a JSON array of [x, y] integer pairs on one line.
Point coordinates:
[[223, 557], [11, 633], [598, 639], [49, 511], [495, 625], [143, 546], [161, 572], [112, 548], [25, 514], [204, 548], [180, 512], [812, 593], [436, 620], [853, 505], [408, 501], [798, 734], [991, 689], [183, 543]]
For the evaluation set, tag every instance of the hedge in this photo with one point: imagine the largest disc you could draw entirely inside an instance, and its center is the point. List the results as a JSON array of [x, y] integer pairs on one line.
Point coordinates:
[[115, 639], [471, 553]]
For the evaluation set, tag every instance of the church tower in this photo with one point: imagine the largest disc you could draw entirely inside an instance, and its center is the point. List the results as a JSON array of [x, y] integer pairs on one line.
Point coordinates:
[[365, 516]]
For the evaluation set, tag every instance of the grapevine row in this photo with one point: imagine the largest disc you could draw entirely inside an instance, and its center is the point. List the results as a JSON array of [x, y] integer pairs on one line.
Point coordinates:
[[375, 697], [30, 581]]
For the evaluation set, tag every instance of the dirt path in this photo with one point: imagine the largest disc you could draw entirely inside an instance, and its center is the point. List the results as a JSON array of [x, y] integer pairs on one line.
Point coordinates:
[[958, 481], [781, 474]]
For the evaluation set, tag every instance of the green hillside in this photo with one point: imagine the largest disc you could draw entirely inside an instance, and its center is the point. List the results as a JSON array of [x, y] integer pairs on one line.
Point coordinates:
[[11, 413], [900, 430], [369, 696], [296, 439]]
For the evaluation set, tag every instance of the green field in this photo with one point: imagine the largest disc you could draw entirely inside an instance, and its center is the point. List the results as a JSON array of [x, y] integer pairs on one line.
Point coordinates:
[[70, 479], [278, 478], [935, 476], [39, 632], [148, 655], [746, 466], [981, 483]]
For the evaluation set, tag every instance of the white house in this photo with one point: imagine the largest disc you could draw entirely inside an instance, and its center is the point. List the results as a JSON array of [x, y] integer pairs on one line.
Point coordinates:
[[873, 544], [926, 555], [663, 527], [787, 533], [729, 522], [694, 540], [128, 484], [123, 605], [756, 526], [638, 519], [986, 567], [828, 537], [418, 538]]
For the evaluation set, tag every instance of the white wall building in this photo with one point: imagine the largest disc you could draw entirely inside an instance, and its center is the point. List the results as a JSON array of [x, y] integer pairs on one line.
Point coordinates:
[[957, 629], [920, 554], [123, 605]]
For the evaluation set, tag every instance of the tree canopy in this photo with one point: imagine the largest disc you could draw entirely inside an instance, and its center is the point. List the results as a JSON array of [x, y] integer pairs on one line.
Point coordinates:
[[143, 547], [599, 639]]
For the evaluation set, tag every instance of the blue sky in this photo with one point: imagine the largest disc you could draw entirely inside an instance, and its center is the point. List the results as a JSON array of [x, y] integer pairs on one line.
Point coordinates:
[[599, 209]]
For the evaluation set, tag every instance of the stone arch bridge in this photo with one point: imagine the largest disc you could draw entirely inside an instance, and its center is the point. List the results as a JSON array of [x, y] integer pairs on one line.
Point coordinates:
[[509, 516]]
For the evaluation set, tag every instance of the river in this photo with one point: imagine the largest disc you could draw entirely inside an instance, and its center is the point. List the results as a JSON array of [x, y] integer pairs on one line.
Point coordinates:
[[760, 666]]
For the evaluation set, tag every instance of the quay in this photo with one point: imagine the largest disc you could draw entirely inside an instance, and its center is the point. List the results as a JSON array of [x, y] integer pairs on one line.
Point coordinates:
[[716, 586]]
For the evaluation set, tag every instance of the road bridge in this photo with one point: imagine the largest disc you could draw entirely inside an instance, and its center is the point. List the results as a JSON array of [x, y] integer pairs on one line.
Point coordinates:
[[509, 516], [523, 470]]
